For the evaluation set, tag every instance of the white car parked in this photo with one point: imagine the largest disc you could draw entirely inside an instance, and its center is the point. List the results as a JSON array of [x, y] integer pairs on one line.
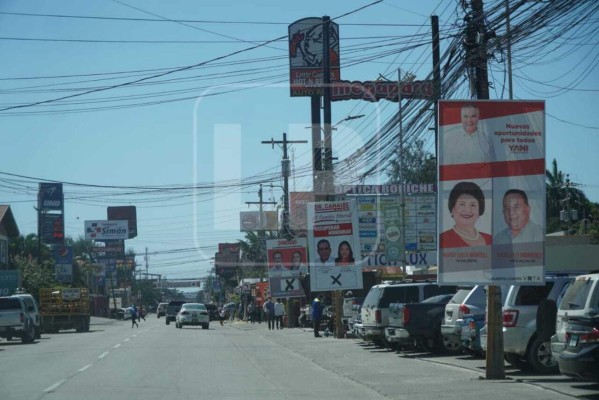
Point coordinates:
[[192, 314]]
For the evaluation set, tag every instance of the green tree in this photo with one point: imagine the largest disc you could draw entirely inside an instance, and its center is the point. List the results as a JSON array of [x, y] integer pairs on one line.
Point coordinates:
[[28, 247], [562, 194], [35, 276], [419, 166], [253, 253]]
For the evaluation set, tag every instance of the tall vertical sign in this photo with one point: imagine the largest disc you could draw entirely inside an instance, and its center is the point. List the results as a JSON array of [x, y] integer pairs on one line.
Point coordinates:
[[491, 205], [50, 207], [306, 56]]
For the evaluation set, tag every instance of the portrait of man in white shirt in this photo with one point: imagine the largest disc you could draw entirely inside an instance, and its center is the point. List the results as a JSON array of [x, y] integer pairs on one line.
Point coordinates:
[[468, 142]]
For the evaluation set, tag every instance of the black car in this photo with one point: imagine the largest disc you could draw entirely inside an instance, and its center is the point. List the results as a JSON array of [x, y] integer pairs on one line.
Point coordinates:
[[212, 312], [580, 358], [172, 309]]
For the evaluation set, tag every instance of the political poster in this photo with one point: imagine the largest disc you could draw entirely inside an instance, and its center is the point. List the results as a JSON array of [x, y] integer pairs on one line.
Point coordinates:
[[334, 244], [491, 209], [287, 263]]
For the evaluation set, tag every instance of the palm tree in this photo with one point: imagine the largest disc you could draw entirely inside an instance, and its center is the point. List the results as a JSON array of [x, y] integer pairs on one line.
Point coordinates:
[[253, 253]]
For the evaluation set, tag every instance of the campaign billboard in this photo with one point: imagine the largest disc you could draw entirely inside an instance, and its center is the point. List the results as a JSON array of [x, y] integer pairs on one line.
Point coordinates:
[[106, 230], [334, 243], [287, 261], [306, 55], [491, 208]]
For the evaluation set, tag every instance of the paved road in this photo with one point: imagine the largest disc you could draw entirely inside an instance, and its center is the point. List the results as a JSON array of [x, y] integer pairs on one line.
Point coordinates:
[[241, 361]]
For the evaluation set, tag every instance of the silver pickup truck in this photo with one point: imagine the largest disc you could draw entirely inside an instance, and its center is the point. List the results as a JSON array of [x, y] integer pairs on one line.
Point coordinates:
[[15, 320]]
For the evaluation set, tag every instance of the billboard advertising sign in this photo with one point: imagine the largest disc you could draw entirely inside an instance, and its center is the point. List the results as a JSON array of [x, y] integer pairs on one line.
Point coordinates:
[[287, 261], [298, 209], [252, 221], [50, 197], [491, 211], [10, 280], [107, 230], [63, 273], [306, 55], [63, 254], [52, 228], [128, 213], [334, 243]]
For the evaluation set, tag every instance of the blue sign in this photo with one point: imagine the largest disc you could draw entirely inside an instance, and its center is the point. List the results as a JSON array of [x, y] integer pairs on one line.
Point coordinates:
[[50, 197], [63, 254]]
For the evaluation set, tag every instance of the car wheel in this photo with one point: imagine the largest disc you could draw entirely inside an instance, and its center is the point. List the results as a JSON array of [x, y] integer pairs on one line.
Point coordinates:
[[28, 336], [168, 322], [205, 326], [38, 333], [517, 361], [451, 345], [540, 358]]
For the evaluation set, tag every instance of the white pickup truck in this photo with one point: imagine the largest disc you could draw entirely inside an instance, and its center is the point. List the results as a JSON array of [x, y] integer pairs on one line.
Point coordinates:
[[15, 320]]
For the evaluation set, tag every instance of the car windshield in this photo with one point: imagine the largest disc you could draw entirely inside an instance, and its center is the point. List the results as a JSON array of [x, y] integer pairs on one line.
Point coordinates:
[[576, 294]]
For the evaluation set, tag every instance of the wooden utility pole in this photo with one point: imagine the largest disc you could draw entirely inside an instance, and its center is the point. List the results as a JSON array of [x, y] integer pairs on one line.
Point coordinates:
[[285, 172]]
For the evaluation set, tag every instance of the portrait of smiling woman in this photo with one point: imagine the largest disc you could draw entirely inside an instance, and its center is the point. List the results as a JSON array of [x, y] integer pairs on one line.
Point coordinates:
[[466, 204]]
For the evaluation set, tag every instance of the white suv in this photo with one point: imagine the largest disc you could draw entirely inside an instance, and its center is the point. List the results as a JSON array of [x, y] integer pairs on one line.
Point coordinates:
[[523, 345]]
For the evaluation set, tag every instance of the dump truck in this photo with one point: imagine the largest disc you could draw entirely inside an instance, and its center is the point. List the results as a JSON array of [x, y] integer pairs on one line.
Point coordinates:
[[64, 308]]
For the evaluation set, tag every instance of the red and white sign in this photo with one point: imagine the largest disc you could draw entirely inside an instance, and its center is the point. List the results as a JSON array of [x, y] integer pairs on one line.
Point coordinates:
[[334, 242], [306, 55], [491, 192]]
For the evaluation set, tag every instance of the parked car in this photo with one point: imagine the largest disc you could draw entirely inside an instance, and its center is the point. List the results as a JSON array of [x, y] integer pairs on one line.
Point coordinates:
[[375, 308], [575, 344], [192, 314], [161, 310], [420, 324], [470, 336], [523, 344], [124, 313], [471, 302]]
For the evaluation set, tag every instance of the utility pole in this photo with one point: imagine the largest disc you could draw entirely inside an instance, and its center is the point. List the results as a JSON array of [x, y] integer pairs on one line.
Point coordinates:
[[285, 171], [260, 230], [476, 42], [326, 110]]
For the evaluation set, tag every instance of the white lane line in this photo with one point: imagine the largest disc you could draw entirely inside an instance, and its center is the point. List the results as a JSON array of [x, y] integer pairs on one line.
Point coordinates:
[[134, 335], [84, 368], [126, 340], [116, 346], [101, 356], [53, 387]]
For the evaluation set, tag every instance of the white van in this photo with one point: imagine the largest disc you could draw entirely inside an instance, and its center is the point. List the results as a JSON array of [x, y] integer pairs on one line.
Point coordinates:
[[375, 308]]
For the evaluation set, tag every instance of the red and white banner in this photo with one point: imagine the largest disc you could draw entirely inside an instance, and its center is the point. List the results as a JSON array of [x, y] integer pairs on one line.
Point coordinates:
[[491, 192], [287, 262], [334, 242]]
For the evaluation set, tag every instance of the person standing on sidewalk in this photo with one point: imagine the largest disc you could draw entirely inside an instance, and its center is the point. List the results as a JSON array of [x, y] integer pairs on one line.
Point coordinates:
[[279, 313], [317, 308], [269, 310]]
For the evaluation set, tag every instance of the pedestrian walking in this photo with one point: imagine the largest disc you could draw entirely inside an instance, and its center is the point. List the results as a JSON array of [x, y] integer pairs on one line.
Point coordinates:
[[279, 313], [222, 315], [134, 316], [317, 308], [142, 313], [269, 310]]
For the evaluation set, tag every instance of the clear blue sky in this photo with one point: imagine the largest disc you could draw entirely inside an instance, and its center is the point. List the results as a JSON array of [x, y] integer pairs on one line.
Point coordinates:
[[211, 137]]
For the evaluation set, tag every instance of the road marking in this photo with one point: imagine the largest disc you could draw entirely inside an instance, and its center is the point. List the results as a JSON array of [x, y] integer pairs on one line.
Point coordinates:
[[84, 368], [116, 346], [126, 340], [53, 387], [101, 356]]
